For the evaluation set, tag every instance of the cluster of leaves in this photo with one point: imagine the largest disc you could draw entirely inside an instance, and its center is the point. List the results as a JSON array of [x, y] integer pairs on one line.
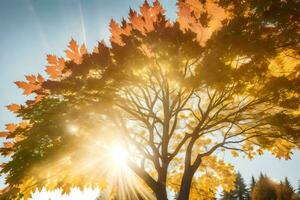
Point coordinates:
[[191, 88], [27, 141], [214, 173]]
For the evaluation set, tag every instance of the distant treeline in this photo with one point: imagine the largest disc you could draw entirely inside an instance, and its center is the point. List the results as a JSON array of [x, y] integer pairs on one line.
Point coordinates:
[[262, 189]]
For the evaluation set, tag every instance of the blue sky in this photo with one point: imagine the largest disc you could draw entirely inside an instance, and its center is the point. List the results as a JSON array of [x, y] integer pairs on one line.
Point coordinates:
[[30, 29]]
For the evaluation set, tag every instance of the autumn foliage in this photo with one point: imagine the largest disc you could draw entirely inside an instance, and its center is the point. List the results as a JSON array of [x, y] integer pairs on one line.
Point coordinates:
[[224, 77]]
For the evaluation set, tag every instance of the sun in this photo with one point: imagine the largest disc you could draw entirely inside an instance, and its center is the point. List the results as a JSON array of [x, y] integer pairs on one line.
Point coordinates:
[[118, 155]]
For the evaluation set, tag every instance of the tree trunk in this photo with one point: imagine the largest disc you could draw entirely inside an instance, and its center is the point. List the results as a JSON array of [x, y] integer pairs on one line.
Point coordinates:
[[161, 193], [186, 183]]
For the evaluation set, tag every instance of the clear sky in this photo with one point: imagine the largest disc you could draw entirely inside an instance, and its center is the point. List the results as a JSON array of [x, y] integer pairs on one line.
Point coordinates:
[[30, 29]]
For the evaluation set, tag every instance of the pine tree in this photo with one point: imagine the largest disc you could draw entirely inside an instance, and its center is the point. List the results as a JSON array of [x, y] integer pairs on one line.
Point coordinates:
[[248, 196], [285, 191], [241, 188], [281, 191], [239, 193], [227, 195], [262, 176], [289, 188], [252, 185]]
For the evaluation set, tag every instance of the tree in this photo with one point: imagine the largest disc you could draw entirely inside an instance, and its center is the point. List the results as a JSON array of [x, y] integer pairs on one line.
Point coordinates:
[[227, 195], [289, 193], [241, 188], [285, 191], [240, 191], [252, 185], [265, 189], [268, 189], [171, 95]]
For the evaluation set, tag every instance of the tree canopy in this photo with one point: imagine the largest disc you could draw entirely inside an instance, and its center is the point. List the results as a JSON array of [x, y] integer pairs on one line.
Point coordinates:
[[172, 96]]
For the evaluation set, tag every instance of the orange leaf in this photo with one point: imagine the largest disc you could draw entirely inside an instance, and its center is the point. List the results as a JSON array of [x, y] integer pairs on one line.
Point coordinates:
[[40, 78], [83, 50], [8, 144], [52, 59], [184, 17], [157, 8], [31, 78], [13, 107], [38, 98], [116, 32], [73, 52], [54, 68], [53, 72], [11, 127], [195, 4], [146, 11], [3, 134], [27, 87], [136, 21]]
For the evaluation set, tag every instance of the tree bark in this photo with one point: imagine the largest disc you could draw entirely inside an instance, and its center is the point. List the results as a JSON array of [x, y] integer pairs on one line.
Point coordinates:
[[161, 193], [186, 182]]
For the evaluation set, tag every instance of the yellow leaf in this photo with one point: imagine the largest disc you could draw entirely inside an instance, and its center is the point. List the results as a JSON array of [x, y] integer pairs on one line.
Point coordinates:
[[234, 153]]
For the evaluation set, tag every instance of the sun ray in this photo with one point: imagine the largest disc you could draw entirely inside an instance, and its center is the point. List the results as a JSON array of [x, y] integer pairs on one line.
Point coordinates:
[[38, 25], [82, 24]]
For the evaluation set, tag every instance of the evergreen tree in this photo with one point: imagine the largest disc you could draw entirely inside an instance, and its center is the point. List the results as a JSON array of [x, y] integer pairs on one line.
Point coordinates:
[[241, 188], [289, 190], [262, 176], [239, 193], [227, 195], [285, 191], [281, 191], [252, 185], [248, 197]]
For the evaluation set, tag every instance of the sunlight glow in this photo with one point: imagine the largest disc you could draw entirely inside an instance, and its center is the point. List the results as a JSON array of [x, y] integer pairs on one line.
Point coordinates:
[[72, 129], [118, 155]]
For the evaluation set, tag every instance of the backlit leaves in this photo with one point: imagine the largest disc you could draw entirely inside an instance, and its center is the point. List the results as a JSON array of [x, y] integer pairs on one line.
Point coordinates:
[[74, 52], [117, 32], [144, 23], [11, 127], [3, 134], [13, 107], [27, 87], [55, 66], [32, 85], [200, 18], [206, 80], [8, 144]]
